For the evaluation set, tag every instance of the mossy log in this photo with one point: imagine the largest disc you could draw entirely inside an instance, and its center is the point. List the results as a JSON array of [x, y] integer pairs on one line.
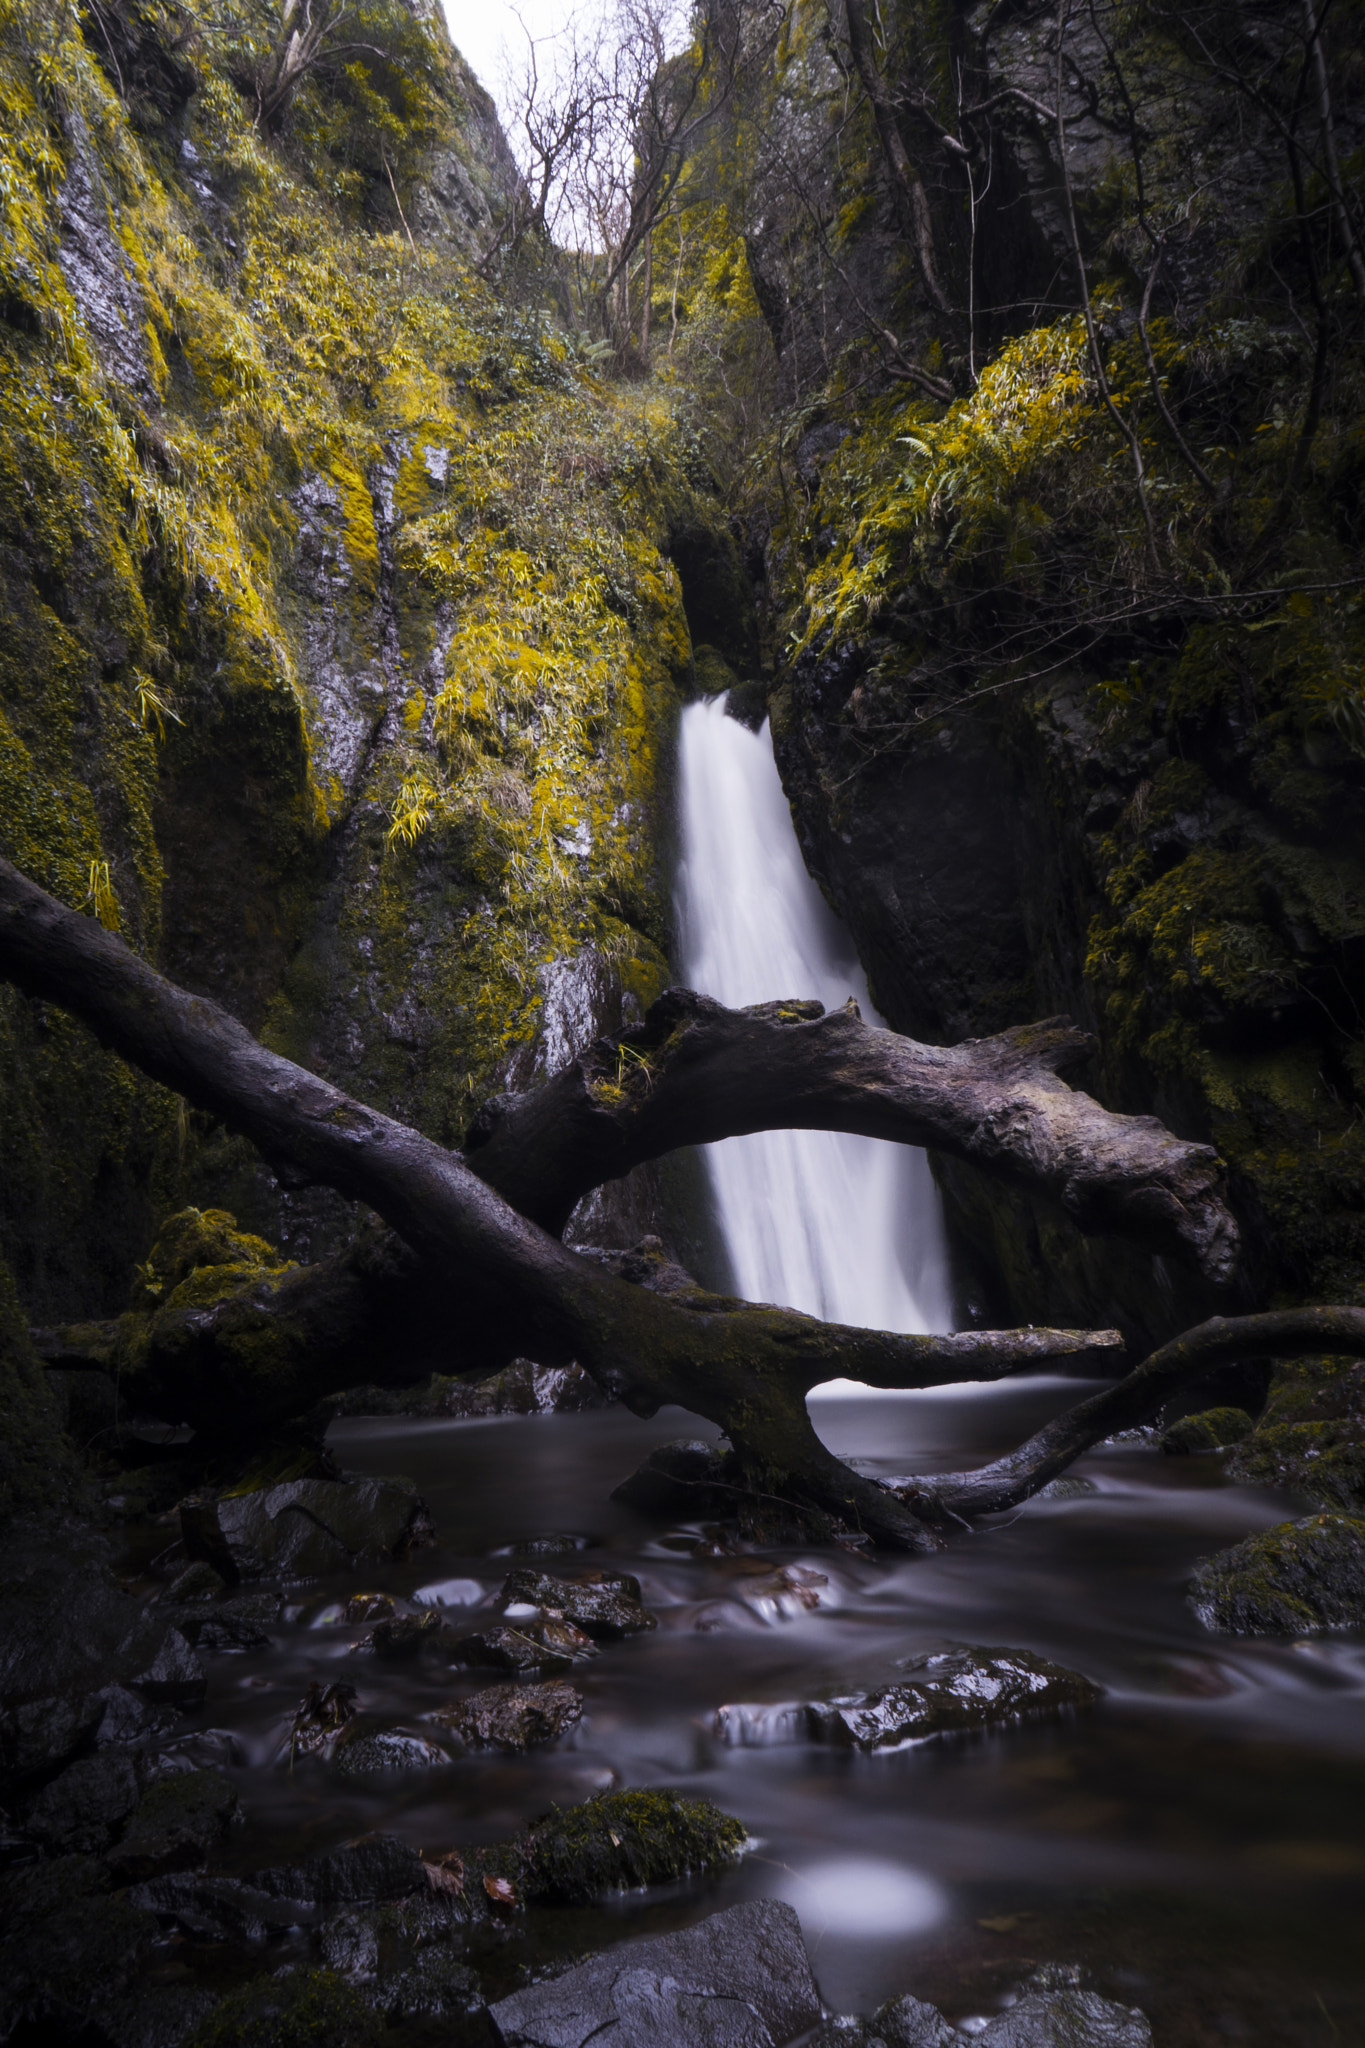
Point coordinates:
[[745, 1367]]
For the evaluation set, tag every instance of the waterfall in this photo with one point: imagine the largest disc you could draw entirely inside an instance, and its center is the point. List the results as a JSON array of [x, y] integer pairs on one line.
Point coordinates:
[[847, 1228]]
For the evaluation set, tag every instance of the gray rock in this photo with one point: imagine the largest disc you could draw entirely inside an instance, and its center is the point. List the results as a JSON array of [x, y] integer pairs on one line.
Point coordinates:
[[1298, 1578], [160, 2018], [129, 1718], [305, 1527], [175, 1675], [1068, 2017], [41, 1735], [377, 1867], [214, 1908], [178, 1821], [82, 1811], [1213, 1429], [435, 1985], [66, 1628], [387, 1749], [945, 1692], [740, 1979], [900, 2023], [513, 1716], [602, 1604]]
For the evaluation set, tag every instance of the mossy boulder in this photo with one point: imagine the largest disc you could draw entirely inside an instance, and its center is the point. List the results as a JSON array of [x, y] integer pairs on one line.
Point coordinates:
[[178, 1820], [626, 1839], [194, 1239], [1213, 1429], [1298, 1578], [314, 2009], [1311, 1438]]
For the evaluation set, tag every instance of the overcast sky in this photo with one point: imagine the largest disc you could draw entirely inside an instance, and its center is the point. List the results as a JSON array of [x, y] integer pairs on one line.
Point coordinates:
[[479, 29]]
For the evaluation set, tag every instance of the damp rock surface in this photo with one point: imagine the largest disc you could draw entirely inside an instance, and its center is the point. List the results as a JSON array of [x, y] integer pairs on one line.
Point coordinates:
[[304, 1528], [1213, 1429], [622, 1840], [513, 1717], [949, 1691], [740, 1979], [1299, 1578], [605, 1605]]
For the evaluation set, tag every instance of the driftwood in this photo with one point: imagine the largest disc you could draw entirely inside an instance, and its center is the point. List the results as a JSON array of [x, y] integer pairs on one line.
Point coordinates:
[[746, 1368], [695, 1071]]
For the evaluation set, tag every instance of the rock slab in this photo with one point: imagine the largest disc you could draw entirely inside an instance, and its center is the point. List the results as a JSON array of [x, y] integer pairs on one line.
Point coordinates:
[[740, 1979]]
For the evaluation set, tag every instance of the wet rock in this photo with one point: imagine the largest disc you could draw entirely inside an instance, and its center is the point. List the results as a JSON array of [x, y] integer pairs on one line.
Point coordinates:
[[369, 1607], [900, 2023], [404, 1635], [740, 1979], [66, 1628], [681, 1479], [198, 1581], [602, 1604], [40, 1736], [376, 1867], [163, 2017], [241, 1623], [82, 1811], [513, 1716], [622, 1840], [945, 1692], [549, 1546], [1214, 1429], [544, 1645], [1069, 1488], [66, 1943], [387, 1749], [298, 2011], [213, 1908], [435, 1985], [1295, 1579], [175, 1675], [178, 1821], [1056, 2011], [305, 1527]]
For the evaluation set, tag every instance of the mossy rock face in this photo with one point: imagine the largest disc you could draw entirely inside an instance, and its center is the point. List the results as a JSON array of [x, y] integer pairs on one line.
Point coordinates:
[[316, 2009], [1214, 1429], [1311, 1438], [627, 1839], [1299, 1578], [196, 1239]]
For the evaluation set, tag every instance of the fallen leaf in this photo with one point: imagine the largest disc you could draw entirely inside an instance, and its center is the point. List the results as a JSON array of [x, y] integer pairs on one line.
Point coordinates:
[[615, 1838], [500, 1891], [446, 1875]]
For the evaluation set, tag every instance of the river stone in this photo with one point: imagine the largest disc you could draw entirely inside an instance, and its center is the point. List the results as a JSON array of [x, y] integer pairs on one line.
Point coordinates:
[[82, 1811], [296, 2010], [435, 1985], [678, 1479], [602, 1604], [1295, 1579], [513, 1716], [403, 1635], [1214, 1429], [40, 1736], [376, 1867], [214, 1908], [178, 1820], [740, 1979], [388, 1749], [621, 1841], [545, 1645], [1066, 2016], [900, 2023], [303, 1528], [66, 1628], [175, 1676]]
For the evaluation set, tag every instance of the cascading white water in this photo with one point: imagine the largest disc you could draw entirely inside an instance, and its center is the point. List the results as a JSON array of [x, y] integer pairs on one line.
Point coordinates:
[[846, 1228]]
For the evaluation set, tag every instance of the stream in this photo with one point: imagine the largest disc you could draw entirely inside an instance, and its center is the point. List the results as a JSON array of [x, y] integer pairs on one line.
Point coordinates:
[[1194, 1839]]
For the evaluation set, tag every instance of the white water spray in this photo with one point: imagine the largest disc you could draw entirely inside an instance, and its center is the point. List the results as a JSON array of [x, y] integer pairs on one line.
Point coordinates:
[[846, 1228]]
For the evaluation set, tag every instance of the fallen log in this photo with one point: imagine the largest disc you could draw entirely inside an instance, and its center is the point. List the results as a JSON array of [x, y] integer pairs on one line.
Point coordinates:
[[745, 1367]]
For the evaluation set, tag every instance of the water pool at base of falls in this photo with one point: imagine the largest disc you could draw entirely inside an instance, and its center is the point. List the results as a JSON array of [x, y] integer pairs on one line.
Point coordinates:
[[1194, 1839]]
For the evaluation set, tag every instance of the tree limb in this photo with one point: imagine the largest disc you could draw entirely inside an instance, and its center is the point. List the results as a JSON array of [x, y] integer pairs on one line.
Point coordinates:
[[1222, 1340], [695, 1072], [746, 1369]]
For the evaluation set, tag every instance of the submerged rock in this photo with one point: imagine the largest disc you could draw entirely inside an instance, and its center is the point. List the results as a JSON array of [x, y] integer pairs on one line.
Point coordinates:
[[681, 1479], [740, 1979], [513, 1716], [1213, 1429], [602, 1604], [1295, 1579], [303, 1528], [945, 1692]]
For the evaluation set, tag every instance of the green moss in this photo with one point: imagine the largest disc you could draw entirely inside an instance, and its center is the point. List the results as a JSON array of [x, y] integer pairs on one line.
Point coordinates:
[[1297, 1579], [309, 2009], [1214, 1429], [626, 1839]]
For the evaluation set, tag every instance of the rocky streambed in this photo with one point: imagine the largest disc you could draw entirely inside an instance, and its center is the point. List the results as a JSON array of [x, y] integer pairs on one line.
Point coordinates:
[[386, 1758]]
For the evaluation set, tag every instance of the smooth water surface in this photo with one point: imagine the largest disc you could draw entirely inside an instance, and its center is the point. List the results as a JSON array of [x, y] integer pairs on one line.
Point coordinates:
[[842, 1227], [1195, 1839]]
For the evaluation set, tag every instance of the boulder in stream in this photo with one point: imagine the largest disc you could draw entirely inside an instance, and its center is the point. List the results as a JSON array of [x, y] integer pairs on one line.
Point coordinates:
[[1298, 1578], [682, 1478], [545, 1645], [375, 1867], [513, 1716], [603, 1604], [303, 1528], [740, 1979], [82, 1811], [368, 1751], [179, 1819], [620, 1841], [949, 1691], [1213, 1429], [1053, 2010]]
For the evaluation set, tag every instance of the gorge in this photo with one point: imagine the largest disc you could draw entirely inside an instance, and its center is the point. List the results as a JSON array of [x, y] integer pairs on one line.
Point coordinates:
[[681, 891]]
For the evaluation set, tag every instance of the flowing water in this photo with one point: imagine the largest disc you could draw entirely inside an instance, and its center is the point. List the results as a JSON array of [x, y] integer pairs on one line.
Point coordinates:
[[1194, 1839], [845, 1228]]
